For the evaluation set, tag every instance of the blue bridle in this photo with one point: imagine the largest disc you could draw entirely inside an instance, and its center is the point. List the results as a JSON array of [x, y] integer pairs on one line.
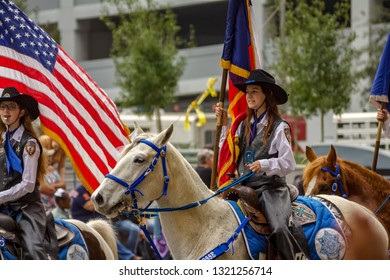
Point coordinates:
[[338, 183], [132, 189]]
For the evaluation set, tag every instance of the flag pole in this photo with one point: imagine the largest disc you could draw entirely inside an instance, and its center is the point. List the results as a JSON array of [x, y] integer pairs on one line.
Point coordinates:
[[213, 183], [377, 143]]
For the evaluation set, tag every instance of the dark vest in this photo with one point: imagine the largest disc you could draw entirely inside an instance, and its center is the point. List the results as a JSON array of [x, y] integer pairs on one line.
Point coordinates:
[[6, 181], [260, 151]]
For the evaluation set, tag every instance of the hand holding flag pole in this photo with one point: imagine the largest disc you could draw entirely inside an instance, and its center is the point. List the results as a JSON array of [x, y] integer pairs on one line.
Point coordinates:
[[379, 95]]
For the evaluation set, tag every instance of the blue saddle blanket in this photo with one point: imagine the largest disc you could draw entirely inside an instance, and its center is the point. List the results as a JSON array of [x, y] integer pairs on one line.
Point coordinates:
[[324, 235], [75, 250]]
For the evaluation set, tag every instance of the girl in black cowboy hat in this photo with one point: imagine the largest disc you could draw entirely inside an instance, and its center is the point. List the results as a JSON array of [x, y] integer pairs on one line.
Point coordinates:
[[20, 154], [268, 136]]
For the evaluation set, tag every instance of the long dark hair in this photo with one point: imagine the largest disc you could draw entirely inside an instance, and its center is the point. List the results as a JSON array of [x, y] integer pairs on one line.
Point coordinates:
[[272, 111]]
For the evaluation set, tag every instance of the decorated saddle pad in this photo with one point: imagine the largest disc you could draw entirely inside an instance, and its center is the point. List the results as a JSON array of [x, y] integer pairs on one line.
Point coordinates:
[[325, 237], [75, 250], [321, 228]]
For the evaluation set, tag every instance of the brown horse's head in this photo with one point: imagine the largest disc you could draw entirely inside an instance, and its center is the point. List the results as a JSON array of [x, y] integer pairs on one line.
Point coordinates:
[[316, 180]]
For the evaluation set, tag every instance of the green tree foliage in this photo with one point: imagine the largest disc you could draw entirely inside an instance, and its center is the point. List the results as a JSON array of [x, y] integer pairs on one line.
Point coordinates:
[[145, 52], [314, 58], [22, 4]]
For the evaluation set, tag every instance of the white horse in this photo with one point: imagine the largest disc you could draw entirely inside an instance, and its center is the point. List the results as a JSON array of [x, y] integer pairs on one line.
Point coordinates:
[[193, 230]]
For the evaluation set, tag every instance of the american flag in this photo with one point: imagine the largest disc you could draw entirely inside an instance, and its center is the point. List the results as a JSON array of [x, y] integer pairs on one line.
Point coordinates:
[[75, 111]]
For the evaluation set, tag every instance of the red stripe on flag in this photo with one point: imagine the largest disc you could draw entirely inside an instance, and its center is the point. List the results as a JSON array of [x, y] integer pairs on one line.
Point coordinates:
[[251, 56], [229, 153], [104, 102], [85, 103], [83, 170]]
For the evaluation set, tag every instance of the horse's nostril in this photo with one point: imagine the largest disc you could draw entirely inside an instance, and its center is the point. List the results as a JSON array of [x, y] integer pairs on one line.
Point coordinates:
[[99, 199]]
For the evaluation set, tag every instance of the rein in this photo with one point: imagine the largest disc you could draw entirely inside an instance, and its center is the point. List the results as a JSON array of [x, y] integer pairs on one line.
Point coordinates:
[[338, 183], [383, 204]]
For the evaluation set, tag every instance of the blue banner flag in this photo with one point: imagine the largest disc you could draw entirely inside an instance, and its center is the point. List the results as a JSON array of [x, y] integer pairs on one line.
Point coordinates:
[[380, 87]]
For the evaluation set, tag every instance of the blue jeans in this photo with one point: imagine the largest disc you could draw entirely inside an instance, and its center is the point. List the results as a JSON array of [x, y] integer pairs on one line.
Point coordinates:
[[128, 234], [123, 252]]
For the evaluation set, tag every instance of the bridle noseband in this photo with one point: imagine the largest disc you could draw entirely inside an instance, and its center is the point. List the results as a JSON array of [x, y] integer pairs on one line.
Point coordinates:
[[132, 189], [338, 183]]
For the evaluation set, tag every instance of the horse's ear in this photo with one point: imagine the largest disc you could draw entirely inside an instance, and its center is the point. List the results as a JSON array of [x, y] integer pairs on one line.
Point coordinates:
[[138, 128], [310, 154], [332, 157], [137, 131], [164, 136]]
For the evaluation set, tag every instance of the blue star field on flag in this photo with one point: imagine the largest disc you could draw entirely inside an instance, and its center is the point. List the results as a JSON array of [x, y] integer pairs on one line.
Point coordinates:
[[19, 32]]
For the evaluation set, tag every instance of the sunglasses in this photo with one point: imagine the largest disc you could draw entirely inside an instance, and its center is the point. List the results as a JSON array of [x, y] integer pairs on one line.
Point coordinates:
[[10, 107]]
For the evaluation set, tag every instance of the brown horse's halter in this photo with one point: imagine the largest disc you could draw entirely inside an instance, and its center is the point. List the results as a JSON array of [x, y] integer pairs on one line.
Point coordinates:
[[338, 183]]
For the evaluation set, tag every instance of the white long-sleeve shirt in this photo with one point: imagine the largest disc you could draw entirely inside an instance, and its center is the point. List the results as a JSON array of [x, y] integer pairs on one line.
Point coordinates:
[[285, 162], [29, 176]]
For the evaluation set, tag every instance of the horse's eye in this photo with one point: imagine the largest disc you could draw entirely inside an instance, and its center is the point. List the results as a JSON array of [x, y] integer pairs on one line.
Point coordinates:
[[323, 188], [139, 160]]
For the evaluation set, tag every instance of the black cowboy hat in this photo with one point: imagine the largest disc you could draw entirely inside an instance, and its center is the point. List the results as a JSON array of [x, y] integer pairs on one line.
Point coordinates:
[[264, 79], [26, 101]]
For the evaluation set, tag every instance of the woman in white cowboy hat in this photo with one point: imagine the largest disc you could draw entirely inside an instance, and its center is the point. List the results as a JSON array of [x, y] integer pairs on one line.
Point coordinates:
[[21, 155], [267, 135]]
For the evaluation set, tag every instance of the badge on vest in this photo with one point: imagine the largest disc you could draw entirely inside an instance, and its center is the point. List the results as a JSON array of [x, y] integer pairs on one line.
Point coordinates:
[[31, 147], [287, 134]]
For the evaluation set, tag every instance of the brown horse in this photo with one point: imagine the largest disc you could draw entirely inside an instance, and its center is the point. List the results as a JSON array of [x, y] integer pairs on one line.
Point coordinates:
[[332, 175]]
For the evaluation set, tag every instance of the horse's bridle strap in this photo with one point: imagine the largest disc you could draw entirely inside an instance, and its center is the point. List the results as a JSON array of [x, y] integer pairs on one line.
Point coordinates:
[[338, 183], [131, 189]]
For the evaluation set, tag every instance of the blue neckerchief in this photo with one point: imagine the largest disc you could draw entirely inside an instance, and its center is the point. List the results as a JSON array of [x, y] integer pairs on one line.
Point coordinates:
[[254, 127], [13, 161]]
